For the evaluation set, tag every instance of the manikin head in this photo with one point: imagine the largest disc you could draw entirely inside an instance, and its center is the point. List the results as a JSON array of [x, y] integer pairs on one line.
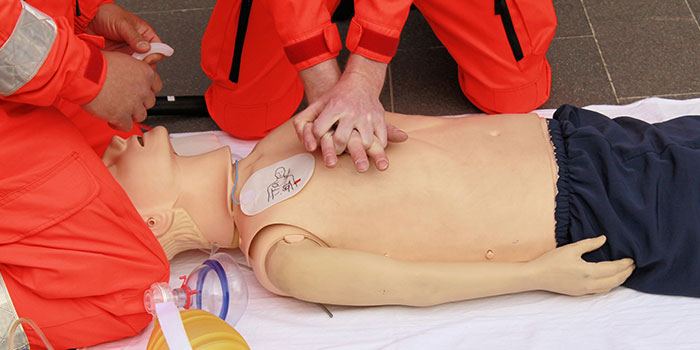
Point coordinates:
[[184, 200]]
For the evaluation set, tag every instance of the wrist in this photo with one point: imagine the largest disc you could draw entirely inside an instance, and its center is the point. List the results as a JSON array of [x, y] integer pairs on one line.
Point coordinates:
[[532, 276], [319, 78], [371, 73]]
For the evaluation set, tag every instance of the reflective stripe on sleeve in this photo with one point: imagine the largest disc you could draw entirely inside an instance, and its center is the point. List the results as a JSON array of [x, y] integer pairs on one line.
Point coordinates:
[[26, 49]]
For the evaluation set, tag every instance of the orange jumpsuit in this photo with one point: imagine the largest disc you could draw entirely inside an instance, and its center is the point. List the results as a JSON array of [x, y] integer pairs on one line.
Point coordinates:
[[499, 46], [75, 254]]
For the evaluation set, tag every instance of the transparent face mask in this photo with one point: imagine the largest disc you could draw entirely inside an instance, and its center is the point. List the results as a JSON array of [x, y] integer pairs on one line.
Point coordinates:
[[216, 286]]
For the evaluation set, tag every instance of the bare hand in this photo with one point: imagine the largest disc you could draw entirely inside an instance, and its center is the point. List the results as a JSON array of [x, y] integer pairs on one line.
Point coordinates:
[[129, 90], [124, 31], [358, 153], [564, 271], [351, 105]]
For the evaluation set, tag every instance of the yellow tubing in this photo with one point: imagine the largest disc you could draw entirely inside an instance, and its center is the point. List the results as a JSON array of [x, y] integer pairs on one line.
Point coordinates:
[[205, 332]]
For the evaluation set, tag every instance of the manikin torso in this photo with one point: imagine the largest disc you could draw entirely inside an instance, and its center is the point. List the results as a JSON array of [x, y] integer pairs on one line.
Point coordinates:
[[463, 189]]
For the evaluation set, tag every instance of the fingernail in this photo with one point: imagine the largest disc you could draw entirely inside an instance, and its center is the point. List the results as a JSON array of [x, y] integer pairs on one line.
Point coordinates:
[[382, 164], [330, 161], [362, 165], [142, 45]]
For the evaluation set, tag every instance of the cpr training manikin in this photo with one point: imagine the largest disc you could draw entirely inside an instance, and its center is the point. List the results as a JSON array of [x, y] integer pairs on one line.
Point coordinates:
[[430, 229]]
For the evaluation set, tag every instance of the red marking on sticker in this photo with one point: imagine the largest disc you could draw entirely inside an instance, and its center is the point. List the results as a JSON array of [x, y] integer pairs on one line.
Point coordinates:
[[297, 181]]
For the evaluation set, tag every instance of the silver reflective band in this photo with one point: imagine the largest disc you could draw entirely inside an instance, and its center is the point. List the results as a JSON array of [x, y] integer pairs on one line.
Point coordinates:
[[26, 49], [7, 316]]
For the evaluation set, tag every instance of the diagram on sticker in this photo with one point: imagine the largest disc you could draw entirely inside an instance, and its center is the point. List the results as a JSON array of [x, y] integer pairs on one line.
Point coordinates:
[[284, 182]]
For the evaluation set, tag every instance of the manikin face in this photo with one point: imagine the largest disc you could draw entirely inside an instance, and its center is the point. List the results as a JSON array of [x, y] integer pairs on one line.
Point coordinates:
[[157, 180], [147, 170]]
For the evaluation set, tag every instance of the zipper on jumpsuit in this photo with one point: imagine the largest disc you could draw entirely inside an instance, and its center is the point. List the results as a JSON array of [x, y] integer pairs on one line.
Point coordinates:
[[501, 7], [243, 16]]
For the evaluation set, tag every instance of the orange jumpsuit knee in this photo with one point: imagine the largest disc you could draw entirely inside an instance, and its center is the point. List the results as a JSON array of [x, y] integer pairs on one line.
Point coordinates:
[[255, 87], [75, 255], [500, 45]]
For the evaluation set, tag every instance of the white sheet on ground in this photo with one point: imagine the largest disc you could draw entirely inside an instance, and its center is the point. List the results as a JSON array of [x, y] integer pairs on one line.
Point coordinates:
[[622, 319]]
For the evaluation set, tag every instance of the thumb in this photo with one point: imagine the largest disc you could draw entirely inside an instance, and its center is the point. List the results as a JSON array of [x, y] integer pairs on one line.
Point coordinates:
[[395, 134], [590, 244], [308, 115], [127, 31]]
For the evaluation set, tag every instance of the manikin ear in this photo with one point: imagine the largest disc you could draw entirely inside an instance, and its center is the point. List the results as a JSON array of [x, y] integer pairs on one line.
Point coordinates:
[[159, 221]]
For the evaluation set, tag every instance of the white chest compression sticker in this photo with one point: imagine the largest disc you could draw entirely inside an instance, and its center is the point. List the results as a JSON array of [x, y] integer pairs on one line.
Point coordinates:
[[275, 183]]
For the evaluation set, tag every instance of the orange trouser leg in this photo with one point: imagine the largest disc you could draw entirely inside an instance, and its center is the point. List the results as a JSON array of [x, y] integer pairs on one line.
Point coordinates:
[[74, 253], [500, 47], [254, 87]]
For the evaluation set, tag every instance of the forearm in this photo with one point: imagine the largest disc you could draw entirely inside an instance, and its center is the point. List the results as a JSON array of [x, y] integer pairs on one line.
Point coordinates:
[[322, 77], [319, 78], [373, 72], [60, 65], [347, 277]]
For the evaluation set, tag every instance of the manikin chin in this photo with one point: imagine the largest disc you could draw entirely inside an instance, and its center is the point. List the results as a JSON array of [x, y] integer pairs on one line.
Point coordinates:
[[184, 200]]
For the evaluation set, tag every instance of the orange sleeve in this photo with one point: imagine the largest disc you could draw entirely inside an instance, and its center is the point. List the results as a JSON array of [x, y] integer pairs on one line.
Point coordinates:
[[73, 68], [374, 31], [85, 12], [305, 28]]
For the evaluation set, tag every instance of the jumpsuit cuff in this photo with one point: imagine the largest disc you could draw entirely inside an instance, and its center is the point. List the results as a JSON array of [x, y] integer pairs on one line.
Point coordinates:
[[87, 82], [318, 46], [85, 12], [372, 41]]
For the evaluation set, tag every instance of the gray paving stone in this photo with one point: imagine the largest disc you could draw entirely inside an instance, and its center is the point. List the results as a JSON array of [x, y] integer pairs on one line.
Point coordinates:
[[578, 76], [183, 31], [164, 5], [425, 82], [651, 47], [571, 19]]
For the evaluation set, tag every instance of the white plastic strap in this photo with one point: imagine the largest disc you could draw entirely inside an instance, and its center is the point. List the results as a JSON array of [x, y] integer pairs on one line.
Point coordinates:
[[26, 49], [161, 48], [172, 327], [8, 315]]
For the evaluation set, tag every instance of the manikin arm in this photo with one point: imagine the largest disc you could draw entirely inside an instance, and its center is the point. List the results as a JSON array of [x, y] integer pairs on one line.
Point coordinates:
[[309, 272]]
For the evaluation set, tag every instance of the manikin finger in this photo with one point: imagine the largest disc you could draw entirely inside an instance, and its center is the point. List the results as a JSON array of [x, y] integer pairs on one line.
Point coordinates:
[[308, 138], [328, 150], [605, 284], [590, 244], [357, 152], [610, 268], [378, 156]]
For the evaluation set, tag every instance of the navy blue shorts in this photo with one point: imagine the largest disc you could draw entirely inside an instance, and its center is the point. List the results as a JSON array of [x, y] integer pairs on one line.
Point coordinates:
[[637, 183]]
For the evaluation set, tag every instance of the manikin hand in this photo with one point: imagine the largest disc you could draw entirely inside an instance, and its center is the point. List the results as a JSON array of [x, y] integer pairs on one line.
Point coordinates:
[[562, 270], [124, 31], [350, 105], [129, 90]]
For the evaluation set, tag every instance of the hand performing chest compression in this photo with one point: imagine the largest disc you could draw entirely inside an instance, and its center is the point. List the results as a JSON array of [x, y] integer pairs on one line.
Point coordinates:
[[345, 115]]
